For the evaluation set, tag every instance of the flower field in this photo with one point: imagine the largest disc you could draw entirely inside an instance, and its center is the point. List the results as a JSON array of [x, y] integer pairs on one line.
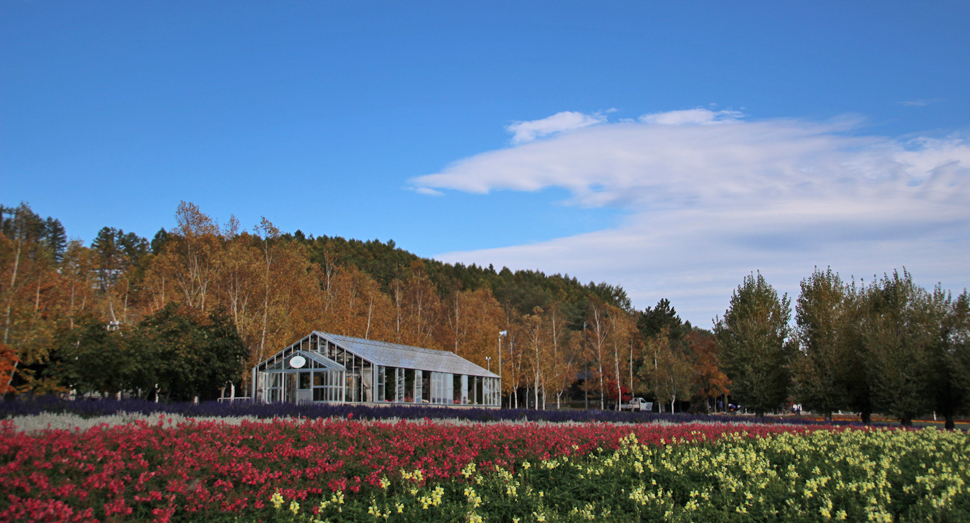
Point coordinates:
[[341, 469]]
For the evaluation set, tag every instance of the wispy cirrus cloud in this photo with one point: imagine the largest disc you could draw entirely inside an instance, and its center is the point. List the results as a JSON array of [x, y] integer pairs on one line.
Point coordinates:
[[711, 196], [692, 116], [564, 121], [920, 103]]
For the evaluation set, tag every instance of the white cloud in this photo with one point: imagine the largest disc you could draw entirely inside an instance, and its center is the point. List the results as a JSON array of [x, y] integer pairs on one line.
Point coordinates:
[[428, 192], [565, 121], [692, 116], [708, 204]]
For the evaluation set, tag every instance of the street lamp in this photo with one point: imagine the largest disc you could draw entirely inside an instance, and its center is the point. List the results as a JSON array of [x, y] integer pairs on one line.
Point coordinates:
[[586, 378], [488, 361], [500, 336]]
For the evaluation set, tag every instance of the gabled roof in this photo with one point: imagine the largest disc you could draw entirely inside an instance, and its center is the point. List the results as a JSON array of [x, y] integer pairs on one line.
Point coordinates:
[[327, 363], [404, 356]]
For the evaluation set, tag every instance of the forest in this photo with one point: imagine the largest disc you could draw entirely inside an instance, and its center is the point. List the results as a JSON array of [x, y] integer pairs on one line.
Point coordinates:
[[181, 315]]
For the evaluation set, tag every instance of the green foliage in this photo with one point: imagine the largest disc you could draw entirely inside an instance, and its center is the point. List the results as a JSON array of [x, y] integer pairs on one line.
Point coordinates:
[[949, 375], [663, 315], [44, 237], [755, 348], [823, 317], [93, 359], [117, 252], [195, 356], [899, 325], [174, 352]]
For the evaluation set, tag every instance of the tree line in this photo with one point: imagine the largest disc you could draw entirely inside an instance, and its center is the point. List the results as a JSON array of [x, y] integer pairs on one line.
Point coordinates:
[[888, 347], [196, 307], [271, 288]]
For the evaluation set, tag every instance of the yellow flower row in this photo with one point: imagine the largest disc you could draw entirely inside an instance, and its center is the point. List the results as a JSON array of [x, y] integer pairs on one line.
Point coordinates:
[[870, 475]]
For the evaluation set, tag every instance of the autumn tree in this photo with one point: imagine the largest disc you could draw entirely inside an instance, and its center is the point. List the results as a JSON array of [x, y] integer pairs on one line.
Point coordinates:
[[470, 326], [288, 292], [754, 339], [514, 347], [30, 248], [239, 284], [597, 334], [266, 284], [667, 370], [186, 268], [117, 254], [9, 360], [536, 345], [622, 340], [78, 268], [416, 308], [356, 306], [710, 382], [564, 353]]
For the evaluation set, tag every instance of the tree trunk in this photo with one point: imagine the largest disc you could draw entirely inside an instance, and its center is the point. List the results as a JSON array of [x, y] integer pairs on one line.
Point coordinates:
[[370, 312], [10, 292]]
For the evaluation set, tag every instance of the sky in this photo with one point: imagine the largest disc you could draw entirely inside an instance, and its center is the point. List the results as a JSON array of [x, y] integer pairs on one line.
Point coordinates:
[[670, 148]]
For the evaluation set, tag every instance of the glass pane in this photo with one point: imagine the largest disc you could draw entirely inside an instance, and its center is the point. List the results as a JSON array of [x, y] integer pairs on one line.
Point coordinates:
[[409, 385], [426, 387]]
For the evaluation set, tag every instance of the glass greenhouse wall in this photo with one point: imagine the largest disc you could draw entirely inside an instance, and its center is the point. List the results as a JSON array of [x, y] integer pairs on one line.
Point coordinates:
[[339, 369]]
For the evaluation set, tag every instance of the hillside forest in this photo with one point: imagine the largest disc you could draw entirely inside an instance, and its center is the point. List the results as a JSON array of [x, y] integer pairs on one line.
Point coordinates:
[[181, 315]]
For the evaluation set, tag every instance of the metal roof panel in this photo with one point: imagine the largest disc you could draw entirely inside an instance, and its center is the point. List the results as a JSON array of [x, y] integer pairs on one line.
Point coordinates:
[[407, 357]]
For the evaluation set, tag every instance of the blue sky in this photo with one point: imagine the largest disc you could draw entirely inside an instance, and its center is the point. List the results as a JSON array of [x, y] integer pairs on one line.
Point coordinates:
[[671, 148]]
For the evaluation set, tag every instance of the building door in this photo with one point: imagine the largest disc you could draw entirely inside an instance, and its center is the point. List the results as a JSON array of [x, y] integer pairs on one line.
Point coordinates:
[[289, 388]]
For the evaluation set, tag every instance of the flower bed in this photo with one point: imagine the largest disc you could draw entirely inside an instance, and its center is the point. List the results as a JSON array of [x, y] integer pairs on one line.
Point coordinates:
[[144, 469], [341, 469], [854, 475]]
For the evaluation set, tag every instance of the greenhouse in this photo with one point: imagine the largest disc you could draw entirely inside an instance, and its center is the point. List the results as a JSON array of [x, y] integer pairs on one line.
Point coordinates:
[[339, 369]]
